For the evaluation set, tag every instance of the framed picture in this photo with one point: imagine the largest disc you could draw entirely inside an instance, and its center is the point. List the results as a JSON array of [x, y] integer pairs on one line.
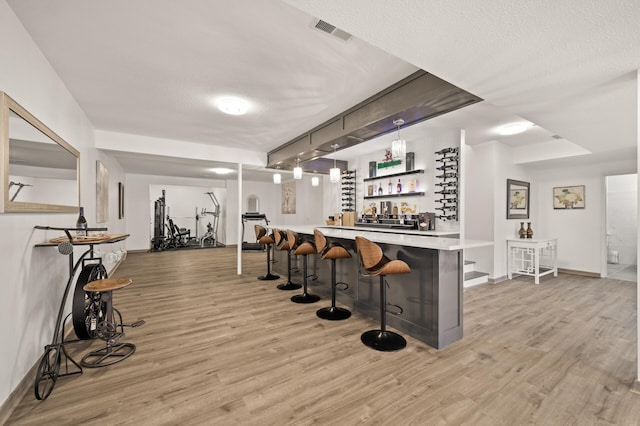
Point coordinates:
[[568, 197], [289, 198], [120, 200], [517, 199], [102, 193]]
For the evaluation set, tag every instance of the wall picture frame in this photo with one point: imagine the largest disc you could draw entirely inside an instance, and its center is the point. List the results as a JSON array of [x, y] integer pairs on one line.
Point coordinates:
[[518, 197], [289, 197], [568, 197], [102, 193], [120, 200]]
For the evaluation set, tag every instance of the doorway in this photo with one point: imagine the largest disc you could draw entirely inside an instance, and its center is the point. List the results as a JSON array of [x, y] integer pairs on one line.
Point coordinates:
[[622, 227]]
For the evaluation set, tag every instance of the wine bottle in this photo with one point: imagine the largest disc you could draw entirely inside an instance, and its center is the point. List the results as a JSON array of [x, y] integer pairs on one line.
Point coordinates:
[[399, 187], [81, 224], [446, 151], [380, 189], [448, 175], [390, 186], [447, 191]]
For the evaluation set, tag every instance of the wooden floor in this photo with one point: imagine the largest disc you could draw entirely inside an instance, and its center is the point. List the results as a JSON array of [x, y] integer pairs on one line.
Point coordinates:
[[223, 349]]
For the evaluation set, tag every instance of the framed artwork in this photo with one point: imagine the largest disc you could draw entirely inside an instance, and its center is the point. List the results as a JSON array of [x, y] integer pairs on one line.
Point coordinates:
[[120, 200], [568, 197], [102, 193], [517, 199], [289, 198]]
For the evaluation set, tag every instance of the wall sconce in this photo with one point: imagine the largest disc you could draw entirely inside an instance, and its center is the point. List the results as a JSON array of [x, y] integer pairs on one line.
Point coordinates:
[[315, 181], [297, 170], [398, 146], [277, 178], [334, 173]]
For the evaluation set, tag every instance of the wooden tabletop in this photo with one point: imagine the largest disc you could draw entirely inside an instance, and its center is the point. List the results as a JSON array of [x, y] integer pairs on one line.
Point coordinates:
[[108, 284], [90, 239]]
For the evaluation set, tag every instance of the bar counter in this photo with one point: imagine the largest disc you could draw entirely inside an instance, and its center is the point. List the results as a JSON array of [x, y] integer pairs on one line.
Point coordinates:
[[430, 296]]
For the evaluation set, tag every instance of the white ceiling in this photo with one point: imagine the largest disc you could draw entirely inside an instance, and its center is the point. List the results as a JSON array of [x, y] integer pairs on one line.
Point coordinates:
[[154, 68]]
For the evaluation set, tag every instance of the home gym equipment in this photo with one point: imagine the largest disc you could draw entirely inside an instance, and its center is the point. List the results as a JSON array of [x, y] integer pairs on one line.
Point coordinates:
[[252, 216], [212, 230]]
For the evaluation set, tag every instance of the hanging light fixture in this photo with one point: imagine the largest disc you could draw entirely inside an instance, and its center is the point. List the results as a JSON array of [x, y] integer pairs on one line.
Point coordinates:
[[297, 170], [334, 173], [315, 181], [398, 146], [277, 178]]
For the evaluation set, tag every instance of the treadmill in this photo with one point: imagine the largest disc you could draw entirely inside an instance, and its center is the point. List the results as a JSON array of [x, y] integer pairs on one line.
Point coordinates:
[[256, 217]]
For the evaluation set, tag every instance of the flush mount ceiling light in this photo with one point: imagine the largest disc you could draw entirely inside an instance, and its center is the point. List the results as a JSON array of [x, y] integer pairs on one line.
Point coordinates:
[[221, 170], [297, 170], [315, 181], [398, 146], [233, 106], [514, 128], [334, 173]]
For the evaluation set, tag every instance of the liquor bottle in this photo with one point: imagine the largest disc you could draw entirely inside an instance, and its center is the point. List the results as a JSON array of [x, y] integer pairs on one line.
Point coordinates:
[[380, 189], [390, 186], [399, 187], [395, 210], [81, 224]]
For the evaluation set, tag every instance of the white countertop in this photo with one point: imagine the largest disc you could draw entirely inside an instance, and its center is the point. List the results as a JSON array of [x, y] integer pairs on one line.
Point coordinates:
[[416, 239]]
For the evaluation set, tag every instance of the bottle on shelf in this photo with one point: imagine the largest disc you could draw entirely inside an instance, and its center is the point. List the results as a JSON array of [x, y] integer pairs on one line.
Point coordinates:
[[446, 167], [395, 210], [447, 191], [81, 224], [380, 189], [448, 175], [390, 186], [399, 187], [446, 151]]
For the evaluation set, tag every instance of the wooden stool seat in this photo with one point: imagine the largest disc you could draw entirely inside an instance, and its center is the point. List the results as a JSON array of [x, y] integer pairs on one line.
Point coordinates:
[[108, 284], [286, 241], [305, 249], [266, 240], [335, 251], [332, 251]]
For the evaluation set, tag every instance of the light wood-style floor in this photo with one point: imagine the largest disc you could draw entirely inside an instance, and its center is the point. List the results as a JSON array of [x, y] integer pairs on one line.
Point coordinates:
[[222, 349]]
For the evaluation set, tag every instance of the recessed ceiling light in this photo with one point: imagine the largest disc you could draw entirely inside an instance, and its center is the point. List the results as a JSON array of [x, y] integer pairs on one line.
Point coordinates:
[[233, 106], [514, 128], [221, 170]]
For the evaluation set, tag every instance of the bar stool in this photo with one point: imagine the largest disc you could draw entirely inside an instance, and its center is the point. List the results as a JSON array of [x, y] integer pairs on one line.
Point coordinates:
[[375, 263], [107, 329], [282, 243], [264, 239], [332, 251], [303, 249]]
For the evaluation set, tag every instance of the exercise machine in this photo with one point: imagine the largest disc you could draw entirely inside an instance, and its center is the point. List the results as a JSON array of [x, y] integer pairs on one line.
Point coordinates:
[[252, 216], [212, 230]]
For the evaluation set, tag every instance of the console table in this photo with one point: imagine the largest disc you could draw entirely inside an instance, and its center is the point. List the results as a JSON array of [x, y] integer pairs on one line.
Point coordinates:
[[533, 257]]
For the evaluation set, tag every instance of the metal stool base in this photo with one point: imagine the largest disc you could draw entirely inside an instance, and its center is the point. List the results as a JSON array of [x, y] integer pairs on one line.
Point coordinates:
[[269, 277], [108, 355], [385, 341], [289, 286], [305, 298], [333, 313]]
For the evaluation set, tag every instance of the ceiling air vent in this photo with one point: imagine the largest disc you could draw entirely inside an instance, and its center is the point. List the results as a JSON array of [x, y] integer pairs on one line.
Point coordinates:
[[331, 29]]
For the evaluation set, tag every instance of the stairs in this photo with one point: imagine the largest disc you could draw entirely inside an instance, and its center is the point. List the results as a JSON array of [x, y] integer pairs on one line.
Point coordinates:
[[473, 277]]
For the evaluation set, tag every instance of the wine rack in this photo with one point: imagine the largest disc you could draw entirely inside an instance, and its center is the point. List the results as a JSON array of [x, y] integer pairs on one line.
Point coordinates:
[[447, 161], [348, 186]]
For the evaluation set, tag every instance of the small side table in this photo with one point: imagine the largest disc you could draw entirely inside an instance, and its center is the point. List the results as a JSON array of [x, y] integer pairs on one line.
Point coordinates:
[[534, 257]]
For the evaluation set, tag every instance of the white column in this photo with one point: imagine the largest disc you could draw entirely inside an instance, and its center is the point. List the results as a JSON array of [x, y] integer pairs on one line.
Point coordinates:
[[461, 182], [638, 219], [240, 236]]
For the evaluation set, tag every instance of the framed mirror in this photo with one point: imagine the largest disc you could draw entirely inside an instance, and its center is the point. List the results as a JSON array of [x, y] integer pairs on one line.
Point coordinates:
[[517, 199], [40, 170]]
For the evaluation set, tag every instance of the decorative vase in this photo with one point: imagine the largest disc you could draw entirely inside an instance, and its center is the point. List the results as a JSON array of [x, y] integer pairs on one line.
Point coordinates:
[[529, 230], [522, 233]]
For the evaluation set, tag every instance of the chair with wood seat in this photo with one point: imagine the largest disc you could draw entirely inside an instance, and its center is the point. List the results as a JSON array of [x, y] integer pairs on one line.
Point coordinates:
[[304, 249], [282, 243], [332, 251], [375, 263], [268, 241], [107, 328]]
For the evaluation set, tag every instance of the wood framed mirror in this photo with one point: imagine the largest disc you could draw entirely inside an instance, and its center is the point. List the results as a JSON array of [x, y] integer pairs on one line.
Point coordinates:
[[40, 171]]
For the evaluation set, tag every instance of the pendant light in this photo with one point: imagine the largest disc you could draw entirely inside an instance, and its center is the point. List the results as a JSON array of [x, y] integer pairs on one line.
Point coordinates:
[[315, 181], [398, 146], [297, 170], [334, 173], [277, 178]]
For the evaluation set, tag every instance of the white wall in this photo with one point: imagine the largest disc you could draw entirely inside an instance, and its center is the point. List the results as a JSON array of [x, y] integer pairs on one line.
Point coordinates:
[[622, 212], [34, 278]]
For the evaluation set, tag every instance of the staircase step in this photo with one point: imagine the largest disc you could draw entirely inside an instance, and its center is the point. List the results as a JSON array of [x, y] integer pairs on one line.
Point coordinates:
[[469, 266], [474, 278]]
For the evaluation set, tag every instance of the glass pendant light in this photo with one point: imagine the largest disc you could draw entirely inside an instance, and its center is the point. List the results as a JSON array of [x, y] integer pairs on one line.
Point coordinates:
[[334, 173], [398, 146], [297, 170], [315, 181], [277, 178]]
